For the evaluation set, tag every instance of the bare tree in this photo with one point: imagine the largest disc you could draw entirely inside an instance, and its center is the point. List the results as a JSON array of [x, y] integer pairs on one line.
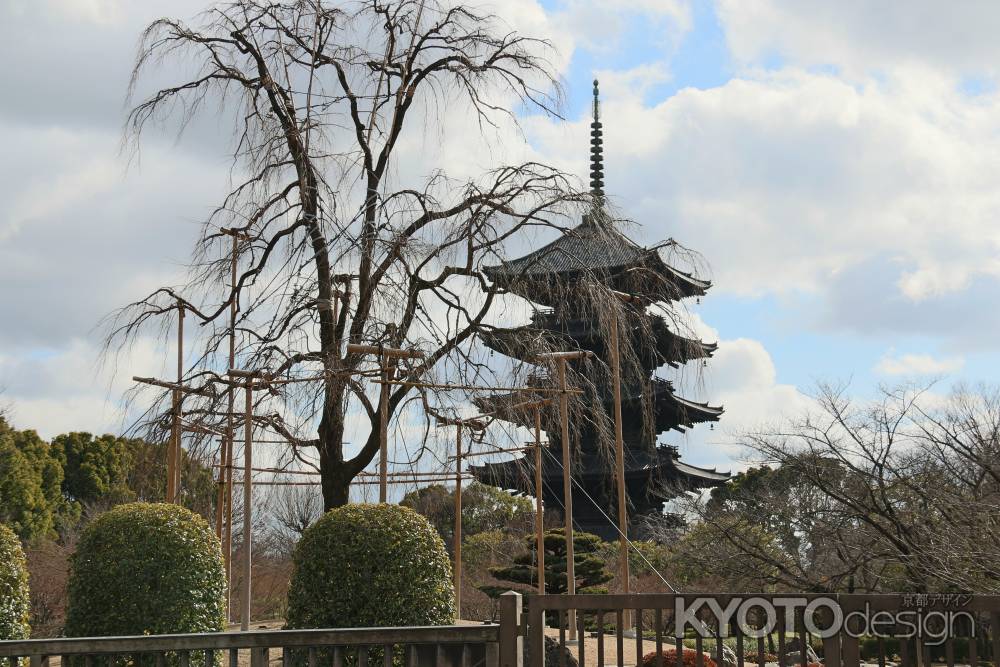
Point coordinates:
[[295, 508], [333, 248], [901, 493]]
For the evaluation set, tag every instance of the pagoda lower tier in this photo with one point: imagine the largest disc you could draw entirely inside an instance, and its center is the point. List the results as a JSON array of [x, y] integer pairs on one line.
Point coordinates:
[[669, 411], [547, 331], [651, 478]]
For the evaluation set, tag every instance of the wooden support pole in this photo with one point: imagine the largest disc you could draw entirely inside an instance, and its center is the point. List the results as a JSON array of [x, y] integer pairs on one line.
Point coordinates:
[[441, 475], [247, 507], [192, 427], [539, 510], [178, 454], [571, 355], [388, 370], [567, 490], [227, 546], [173, 449], [354, 482], [391, 354], [494, 452], [227, 538], [616, 373], [458, 519], [456, 387], [220, 496], [175, 386], [170, 451]]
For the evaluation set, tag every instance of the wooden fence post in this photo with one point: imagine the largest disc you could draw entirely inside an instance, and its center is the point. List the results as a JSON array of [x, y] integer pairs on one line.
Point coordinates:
[[260, 656], [850, 649], [536, 631], [510, 640]]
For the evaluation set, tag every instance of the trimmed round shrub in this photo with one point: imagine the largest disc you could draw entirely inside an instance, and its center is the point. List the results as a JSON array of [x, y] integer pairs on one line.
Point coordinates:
[[146, 568], [14, 594], [370, 566]]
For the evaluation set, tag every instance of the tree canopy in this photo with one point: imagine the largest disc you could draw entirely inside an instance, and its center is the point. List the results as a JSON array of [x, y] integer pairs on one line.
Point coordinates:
[[896, 494], [484, 508], [30, 483], [94, 467], [46, 487]]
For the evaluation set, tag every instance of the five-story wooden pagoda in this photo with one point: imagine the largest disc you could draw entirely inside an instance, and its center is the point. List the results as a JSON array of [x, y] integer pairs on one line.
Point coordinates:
[[553, 277]]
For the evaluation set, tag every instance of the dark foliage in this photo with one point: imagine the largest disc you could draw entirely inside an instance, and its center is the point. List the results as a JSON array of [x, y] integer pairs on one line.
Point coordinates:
[[589, 569]]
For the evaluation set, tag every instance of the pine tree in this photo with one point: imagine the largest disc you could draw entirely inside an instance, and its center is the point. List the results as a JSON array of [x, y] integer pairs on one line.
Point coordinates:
[[590, 570]]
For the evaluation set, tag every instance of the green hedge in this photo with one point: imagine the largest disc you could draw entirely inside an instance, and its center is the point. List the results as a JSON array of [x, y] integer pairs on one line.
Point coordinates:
[[14, 594], [370, 566], [146, 568]]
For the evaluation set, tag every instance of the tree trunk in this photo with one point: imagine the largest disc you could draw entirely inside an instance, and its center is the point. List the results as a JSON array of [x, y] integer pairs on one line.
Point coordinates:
[[336, 481], [335, 474]]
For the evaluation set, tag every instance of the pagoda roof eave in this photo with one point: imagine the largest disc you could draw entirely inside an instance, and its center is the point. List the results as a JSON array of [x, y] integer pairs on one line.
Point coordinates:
[[592, 246], [518, 472], [715, 410], [697, 286], [688, 412], [705, 473]]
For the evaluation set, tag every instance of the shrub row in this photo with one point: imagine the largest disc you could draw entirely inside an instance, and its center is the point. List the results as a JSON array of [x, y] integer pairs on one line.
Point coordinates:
[[147, 568]]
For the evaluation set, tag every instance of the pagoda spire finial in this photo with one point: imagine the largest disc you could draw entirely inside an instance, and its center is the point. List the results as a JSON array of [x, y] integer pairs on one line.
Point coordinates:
[[597, 150]]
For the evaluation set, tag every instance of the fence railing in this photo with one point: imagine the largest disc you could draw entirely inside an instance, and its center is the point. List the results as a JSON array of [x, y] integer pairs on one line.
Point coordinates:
[[747, 630], [678, 630], [458, 646]]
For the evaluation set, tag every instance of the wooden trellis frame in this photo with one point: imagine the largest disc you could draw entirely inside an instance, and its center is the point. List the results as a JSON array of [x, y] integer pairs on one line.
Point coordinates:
[[389, 359]]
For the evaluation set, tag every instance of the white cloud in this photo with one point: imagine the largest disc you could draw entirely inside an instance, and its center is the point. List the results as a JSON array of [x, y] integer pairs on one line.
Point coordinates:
[[76, 11], [917, 364], [864, 37], [600, 25], [79, 237], [742, 378], [66, 389]]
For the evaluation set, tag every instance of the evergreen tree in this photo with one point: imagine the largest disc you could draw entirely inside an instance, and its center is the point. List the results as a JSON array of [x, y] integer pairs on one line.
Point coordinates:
[[45, 487], [589, 569], [95, 468], [30, 483]]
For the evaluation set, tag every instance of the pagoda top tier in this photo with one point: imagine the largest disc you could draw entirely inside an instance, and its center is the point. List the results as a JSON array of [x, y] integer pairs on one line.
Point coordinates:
[[596, 247]]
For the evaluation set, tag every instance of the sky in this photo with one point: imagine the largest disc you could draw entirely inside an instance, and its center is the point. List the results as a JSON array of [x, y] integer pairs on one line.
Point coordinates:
[[835, 164]]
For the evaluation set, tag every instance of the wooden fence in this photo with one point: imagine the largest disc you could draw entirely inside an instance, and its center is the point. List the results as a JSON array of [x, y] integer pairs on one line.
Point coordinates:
[[679, 630], [942, 625], [458, 646]]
